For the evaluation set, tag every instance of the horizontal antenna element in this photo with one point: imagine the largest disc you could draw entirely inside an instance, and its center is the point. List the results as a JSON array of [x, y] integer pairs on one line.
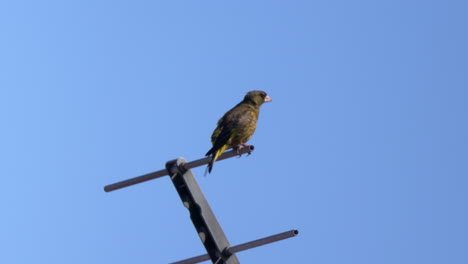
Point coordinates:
[[241, 247], [186, 166]]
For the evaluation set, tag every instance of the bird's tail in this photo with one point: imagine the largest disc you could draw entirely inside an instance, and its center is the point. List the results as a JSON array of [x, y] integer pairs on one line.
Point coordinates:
[[210, 165], [215, 156]]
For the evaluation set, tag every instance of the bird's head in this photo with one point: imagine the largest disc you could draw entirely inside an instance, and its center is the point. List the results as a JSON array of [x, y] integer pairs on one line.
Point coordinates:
[[257, 97]]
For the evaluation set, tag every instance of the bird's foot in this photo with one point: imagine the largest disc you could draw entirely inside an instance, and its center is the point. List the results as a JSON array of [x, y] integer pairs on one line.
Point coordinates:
[[241, 146]]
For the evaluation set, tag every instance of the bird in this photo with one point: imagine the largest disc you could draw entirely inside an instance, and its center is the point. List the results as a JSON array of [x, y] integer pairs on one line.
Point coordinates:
[[237, 125]]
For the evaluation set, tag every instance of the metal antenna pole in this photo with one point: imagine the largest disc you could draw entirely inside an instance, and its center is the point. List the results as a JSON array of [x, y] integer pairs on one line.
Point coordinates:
[[203, 218]]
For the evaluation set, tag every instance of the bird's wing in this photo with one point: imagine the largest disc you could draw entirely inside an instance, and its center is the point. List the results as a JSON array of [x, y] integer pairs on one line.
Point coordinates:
[[222, 137], [231, 125]]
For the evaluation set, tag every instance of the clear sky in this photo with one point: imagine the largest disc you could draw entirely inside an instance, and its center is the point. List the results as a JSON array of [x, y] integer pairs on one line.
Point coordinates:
[[363, 149]]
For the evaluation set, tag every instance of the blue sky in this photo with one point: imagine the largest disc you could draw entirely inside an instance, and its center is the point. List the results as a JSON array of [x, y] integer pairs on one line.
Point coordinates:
[[363, 149]]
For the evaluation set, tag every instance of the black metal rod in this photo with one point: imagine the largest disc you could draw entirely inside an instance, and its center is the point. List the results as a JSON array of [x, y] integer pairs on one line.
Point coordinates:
[[203, 218], [188, 165], [244, 246], [262, 241], [136, 180], [225, 155]]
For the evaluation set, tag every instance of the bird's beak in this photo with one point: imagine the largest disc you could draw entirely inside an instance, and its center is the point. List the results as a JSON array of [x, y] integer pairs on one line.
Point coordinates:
[[267, 99]]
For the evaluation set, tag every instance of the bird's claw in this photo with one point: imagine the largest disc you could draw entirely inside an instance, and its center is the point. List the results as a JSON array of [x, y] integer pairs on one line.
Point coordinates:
[[241, 146]]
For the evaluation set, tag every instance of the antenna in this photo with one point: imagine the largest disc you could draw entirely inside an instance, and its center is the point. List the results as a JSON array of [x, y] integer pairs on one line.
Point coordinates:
[[210, 232]]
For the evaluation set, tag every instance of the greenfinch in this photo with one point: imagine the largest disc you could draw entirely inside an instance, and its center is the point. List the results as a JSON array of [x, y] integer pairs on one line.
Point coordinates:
[[237, 125]]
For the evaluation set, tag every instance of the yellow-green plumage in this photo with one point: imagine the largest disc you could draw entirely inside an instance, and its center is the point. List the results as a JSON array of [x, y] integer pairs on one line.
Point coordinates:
[[237, 126]]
